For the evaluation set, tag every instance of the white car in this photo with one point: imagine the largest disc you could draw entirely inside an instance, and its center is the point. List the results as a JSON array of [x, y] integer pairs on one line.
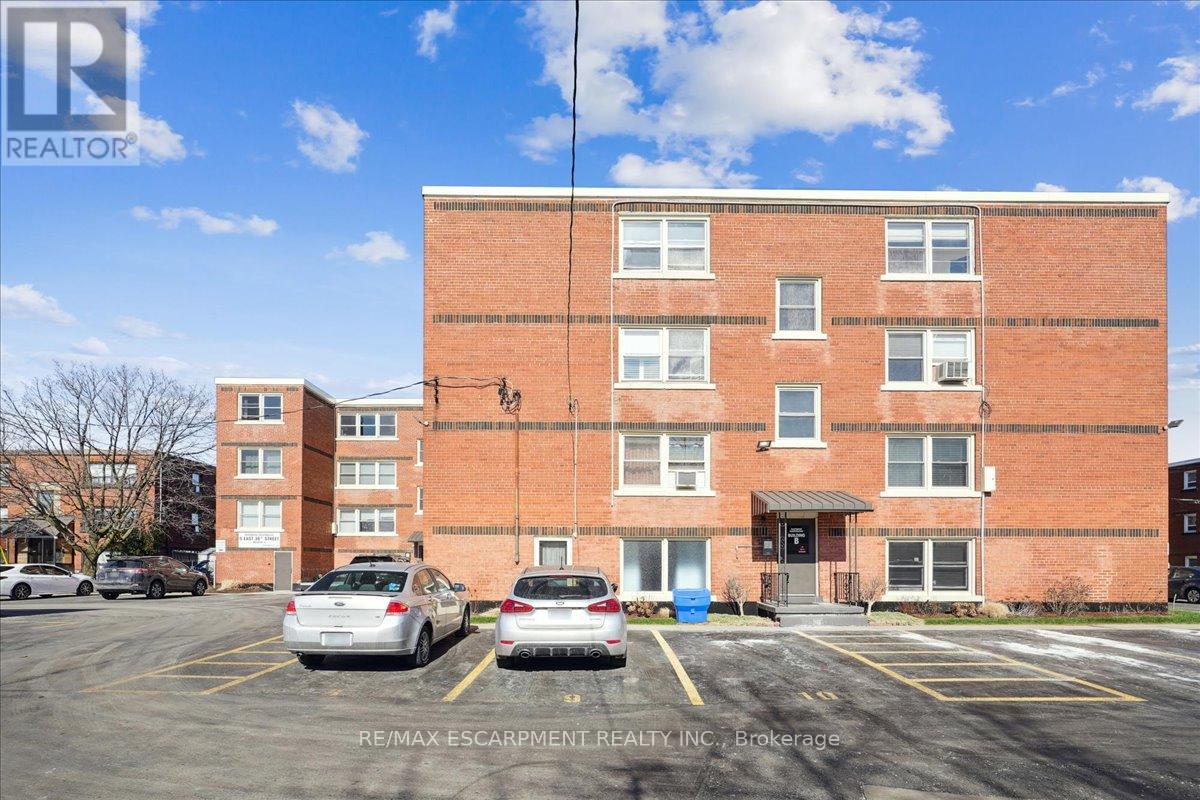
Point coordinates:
[[21, 581], [567, 612]]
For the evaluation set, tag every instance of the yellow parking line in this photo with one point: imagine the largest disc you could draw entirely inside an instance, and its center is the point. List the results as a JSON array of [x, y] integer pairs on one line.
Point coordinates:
[[994, 680], [206, 677], [245, 678], [106, 686], [943, 663], [943, 651], [688, 687], [250, 663], [1035, 699], [875, 665], [453, 694]]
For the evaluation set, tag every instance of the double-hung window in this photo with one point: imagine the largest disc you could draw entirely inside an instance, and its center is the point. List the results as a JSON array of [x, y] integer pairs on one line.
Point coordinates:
[[1189, 523], [260, 407], [664, 247], [664, 464], [367, 425], [929, 249], [1189, 480], [797, 416], [366, 474], [653, 568], [260, 462], [420, 460], [260, 515], [366, 521], [420, 500], [929, 568], [552, 552], [930, 359], [664, 356], [930, 465], [111, 474], [798, 308]]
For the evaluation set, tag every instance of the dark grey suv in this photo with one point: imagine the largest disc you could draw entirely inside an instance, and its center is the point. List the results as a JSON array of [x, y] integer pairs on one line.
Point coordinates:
[[152, 576]]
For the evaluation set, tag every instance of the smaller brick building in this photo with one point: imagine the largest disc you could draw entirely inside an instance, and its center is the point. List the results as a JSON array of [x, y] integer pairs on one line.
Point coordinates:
[[1184, 525]]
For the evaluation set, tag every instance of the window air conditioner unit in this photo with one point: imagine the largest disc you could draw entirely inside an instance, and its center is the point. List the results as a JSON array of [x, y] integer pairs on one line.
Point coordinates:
[[685, 480], [957, 370]]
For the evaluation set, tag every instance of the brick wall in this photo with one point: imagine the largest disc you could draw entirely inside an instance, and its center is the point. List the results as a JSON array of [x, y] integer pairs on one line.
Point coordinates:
[[1182, 501]]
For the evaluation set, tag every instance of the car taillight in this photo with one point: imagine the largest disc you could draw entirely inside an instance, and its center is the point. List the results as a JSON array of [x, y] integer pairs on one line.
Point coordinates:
[[396, 607], [291, 607], [609, 606], [140, 571], [511, 606]]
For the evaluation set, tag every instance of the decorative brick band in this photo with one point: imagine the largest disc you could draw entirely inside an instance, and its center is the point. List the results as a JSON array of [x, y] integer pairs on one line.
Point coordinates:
[[994, 427], [628, 532], [602, 425], [598, 319], [998, 322], [258, 497], [1006, 533], [258, 444]]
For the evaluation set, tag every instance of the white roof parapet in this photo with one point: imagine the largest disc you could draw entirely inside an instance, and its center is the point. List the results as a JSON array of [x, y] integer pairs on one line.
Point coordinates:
[[370, 402], [809, 195]]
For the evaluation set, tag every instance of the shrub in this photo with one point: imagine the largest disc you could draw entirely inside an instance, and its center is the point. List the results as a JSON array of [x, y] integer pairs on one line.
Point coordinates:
[[640, 608], [964, 610], [870, 590], [993, 610], [1026, 608], [735, 595], [1067, 597]]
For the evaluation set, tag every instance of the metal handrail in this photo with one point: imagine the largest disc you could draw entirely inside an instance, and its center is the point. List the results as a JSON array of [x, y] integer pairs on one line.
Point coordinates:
[[847, 588], [774, 587]]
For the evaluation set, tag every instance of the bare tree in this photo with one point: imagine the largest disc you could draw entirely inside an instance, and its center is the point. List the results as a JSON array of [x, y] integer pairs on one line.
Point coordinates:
[[735, 594], [104, 440], [870, 590]]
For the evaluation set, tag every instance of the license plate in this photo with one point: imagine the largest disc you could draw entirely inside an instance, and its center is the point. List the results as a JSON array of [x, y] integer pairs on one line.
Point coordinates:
[[337, 639], [560, 615]]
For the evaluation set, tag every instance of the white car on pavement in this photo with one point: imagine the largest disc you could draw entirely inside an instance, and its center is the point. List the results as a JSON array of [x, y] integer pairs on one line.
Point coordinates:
[[22, 581]]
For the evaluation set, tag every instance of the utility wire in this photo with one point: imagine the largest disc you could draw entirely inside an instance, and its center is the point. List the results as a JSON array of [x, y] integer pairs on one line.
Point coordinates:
[[572, 402]]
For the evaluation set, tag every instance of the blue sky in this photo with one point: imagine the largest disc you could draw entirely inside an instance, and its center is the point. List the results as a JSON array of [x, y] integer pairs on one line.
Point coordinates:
[[277, 226]]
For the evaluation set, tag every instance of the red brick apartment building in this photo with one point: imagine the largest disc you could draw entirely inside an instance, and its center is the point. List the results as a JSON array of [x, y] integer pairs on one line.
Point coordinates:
[[1184, 487], [305, 481], [958, 393]]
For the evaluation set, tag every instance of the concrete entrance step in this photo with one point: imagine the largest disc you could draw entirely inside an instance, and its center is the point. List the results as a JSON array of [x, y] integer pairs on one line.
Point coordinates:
[[796, 614]]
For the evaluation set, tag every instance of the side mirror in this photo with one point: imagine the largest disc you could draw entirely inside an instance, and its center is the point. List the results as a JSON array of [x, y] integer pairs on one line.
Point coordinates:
[[613, 586], [458, 587]]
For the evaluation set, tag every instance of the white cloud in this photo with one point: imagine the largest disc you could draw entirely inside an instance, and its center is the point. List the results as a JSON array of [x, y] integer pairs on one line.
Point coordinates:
[[433, 24], [157, 142], [91, 346], [330, 141], [1181, 90], [1182, 204], [812, 172], [1097, 30], [883, 144], [22, 301], [138, 328], [1093, 76], [723, 79], [1185, 349], [1042, 186], [633, 170], [172, 218], [378, 248]]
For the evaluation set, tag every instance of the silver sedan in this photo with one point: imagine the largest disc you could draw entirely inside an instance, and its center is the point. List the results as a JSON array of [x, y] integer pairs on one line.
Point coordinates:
[[377, 608]]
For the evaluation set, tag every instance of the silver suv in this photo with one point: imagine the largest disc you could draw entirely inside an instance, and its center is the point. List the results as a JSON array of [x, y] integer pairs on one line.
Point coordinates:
[[152, 576]]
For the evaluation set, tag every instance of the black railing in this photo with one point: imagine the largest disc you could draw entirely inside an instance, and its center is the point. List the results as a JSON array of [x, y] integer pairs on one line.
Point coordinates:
[[774, 587], [846, 588]]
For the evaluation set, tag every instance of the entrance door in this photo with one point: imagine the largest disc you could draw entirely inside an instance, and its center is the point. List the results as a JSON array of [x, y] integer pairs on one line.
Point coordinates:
[[283, 570], [798, 558]]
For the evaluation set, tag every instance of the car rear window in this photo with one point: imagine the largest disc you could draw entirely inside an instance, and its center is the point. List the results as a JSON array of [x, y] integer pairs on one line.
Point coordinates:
[[360, 580], [561, 587], [5, 568], [125, 563]]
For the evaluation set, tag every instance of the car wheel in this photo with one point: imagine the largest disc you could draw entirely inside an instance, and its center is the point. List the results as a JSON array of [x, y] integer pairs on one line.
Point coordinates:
[[420, 656], [310, 659], [616, 662], [84, 588], [504, 662], [156, 591], [464, 627], [199, 588], [1193, 595], [20, 592], [109, 595]]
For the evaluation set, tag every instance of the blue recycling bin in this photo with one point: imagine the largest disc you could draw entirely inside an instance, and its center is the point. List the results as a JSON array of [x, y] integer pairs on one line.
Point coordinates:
[[691, 605]]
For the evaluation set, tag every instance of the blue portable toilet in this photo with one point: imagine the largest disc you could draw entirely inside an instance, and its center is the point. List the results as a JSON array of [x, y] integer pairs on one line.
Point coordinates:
[[691, 605]]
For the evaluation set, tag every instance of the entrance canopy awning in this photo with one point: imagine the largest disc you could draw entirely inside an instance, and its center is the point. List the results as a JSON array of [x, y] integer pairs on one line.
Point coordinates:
[[417, 537], [773, 502], [27, 528]]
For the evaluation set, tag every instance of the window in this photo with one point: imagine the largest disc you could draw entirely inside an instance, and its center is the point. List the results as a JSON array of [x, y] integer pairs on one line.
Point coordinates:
[[420, 453], [46, 501], [5, 474], [552, 552], [111, 474], [671, 247], [651, 567], [560, 587], [664, 355], [260, 462], [196, 483], [1191, 561], [262, 515], [913, 357], [929, 464], [370, 425], [1189, 480], [798, 308], [929, 248], [366, 521], [260, 407], [929, 568], [420, 500], [664, 463], [361, 474], [1189, 523], [797, 416], [361, 580]]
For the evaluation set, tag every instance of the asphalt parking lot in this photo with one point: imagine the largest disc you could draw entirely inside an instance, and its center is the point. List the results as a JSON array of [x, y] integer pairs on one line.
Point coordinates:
[[194, 696]]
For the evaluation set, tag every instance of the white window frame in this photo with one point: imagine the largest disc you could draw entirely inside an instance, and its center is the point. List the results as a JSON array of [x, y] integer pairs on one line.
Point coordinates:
[[929, 274], [665, 593], [664, 348], [261, 516], [1189, 517], [665, 487], [928, 384], [358, 474], [927, 489], [259, 476], [358, 415], [537, 548], [261, 405], [1190, 479], [815, 441], [816, 333], [662, 273], [1191, 561], [420, 503], [376, 511], [109, 473], [927, 592], [420, 460]]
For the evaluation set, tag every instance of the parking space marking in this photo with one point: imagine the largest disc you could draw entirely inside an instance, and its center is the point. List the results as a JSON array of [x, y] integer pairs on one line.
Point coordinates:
[[242, 679], [453, 694], [958, 651], [688, 687], [227, 681]]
